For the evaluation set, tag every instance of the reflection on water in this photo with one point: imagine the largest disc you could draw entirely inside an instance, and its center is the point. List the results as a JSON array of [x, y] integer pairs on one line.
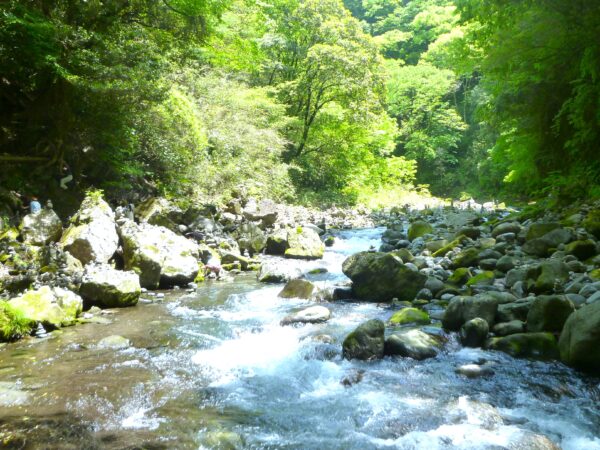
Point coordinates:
[[214, 369]]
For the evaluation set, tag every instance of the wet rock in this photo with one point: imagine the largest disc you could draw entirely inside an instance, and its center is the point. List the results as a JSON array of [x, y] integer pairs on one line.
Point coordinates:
[[414, 344], [410, 316], [382, 276], [106, 287], [514, 311], [114, 342], [508, 227], [474, 370], [313, 314], [581, 249], [158, 256], [366, 342], [298, 289], [52, 308], [507, 328], [505, 263], [277, 272], [549, 313], [418, 229], [532, 441], [474, 332], [467, 258], [222, 440], [329, 241], [41, 228], [354, 377], [464, 308], [460, 276], [580, 338], [304, 243], [526, 345], [92, 235]]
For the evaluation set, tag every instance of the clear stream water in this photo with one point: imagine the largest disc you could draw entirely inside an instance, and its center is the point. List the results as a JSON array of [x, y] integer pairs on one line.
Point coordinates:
[[214, 369]]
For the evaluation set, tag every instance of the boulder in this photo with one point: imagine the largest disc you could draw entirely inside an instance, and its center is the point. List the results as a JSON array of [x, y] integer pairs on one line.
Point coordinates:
[[592, 223], [542, 246], [264, 211], [92, 235], [52, 308], [539, 229], [410, 316], [313, 314], [485, 278], [13, 324], [549, 313], [462, 309], [106, 287], [580, 339], [366, 342], [278, 272], [418, 229], [277, 242], [298, 289], [581, 249], [304, 243], [467, 258], [526, 345], [507, 328], [41, 228], [545, 276], [414, 344], [251, 238], [474, 332], [507, 227], [159, 256], [514, 311], [381, 277], [160, 212]]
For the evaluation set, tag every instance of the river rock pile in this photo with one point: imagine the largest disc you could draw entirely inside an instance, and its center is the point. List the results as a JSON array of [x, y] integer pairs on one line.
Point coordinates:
[[528, 287]]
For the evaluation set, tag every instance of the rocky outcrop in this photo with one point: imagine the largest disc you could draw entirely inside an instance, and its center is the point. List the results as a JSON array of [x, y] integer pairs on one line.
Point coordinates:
[[382, 276], [92, 235], [41, 228], [304, 243], [366, 342], [109, 288], [158, 256]]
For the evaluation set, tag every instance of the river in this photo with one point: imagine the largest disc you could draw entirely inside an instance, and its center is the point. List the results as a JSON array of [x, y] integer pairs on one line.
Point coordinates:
[[214, 369]]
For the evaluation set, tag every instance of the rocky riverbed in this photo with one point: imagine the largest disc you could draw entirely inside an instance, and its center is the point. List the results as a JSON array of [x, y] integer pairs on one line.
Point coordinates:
[[405, 336]]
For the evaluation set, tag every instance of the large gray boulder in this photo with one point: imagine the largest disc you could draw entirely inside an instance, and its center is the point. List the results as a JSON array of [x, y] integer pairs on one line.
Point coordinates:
[[549, 313], [159, 256], [579, 342], [52, 307], [366, 342], [304, 243], [41, 228], [381, 277], [159, 211], [109, 288], [278, 272], [461, 309], [92, 235], [264, 211], [414, 344], [251, 238]]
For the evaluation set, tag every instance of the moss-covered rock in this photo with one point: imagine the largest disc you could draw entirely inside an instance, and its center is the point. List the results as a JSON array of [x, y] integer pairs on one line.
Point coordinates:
[[277, 242], [410, 316], [304, 243], [52, 308], [366, 342], [549, 313], [419, 228], [460, 276], [467, 258], [546, 275], [464, 308], [105, 287], [526, 345], [312, 314], [539, 229], [404, 254], [381, 276], [592, 223], [13, 323], [474, 332], [297, 289], [580, 339], [595, 275], [451, 246], [581, 249], [485, 278], [414, 344], [506, 227]]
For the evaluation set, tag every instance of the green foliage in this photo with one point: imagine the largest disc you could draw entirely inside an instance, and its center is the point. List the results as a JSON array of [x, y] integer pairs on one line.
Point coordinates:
[[13, 325]]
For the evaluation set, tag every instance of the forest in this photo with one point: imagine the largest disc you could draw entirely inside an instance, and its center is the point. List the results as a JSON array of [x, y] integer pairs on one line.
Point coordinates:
[[311, 102]]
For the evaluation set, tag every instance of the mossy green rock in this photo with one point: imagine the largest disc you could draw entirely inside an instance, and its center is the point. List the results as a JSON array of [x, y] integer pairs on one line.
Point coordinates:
[[549, 313], [526, 345], [105, 287], [410, 316], [537, 230], [381, 276], [449, 247], [581, 249], [13, 324], [546, 275], [467, 258], [414, 344], [366, 342], [404, 254], [418, 229], [277, 242], [484, 278], [461, 309], [592, 223], [580, 339], [304, 243], [459, 276], [297, 289], [51, 308], [595, 274]]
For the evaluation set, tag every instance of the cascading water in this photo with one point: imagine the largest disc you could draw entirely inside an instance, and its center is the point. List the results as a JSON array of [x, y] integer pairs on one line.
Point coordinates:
[[215, 369]]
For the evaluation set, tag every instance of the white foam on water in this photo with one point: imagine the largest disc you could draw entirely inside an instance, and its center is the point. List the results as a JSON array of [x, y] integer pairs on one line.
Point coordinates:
[[138, 420]]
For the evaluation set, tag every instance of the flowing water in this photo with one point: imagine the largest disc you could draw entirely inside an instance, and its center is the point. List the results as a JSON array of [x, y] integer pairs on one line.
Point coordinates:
[[214, 369]]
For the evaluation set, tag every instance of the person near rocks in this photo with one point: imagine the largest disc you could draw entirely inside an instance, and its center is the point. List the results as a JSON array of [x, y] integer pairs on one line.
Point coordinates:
[[34, 205], [213, 266], [65, 176]]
